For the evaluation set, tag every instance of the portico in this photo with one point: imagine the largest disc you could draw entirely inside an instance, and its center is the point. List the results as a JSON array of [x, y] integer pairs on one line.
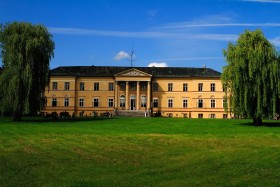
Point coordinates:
[[132, 90]]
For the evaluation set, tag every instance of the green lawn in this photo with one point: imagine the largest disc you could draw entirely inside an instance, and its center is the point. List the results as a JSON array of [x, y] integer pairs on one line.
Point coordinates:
[[139, 152]]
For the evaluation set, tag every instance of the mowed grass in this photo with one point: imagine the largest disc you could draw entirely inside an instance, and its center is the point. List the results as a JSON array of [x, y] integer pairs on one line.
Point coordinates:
[[139, 152]]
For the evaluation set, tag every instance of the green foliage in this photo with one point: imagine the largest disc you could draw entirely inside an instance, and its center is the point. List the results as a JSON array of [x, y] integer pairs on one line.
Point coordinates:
[[26, 50], [139, 152], [252, 76]]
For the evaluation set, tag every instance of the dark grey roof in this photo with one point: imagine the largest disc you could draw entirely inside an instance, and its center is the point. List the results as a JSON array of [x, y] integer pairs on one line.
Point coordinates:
[[110, 71]]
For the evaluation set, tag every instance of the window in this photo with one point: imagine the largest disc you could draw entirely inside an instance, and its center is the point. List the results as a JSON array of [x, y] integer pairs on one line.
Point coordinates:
[[224, 103], [212, 115], [170, 103], [225, 116], [66, 85], [54, 102], [224, 88], [96, 86], [185, 87], [133, 86], [66, 102], [82, 86], [170, 87], [143, 101], [143, 86], [122, 101], [95, 102], [122, 85], [212, 87], [185, 103], [110, 102], [155, 86], [200, 87], [111, 86], [54, 85], [81, 102], [213, 103], [155, 102], [200, 115], [200, 103]]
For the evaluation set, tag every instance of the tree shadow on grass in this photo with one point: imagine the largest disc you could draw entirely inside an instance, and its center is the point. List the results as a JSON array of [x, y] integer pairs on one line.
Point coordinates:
[[271, 123], [50, 120]]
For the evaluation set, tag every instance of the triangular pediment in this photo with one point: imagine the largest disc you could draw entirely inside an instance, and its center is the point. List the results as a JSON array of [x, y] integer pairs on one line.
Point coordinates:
[[133, 73]]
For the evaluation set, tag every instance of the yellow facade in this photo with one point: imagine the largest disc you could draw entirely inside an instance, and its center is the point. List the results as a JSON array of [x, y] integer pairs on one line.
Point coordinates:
[[134, 90]]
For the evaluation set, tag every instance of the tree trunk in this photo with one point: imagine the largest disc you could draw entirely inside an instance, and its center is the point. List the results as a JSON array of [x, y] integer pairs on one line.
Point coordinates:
[[257, 121], [17, 116]]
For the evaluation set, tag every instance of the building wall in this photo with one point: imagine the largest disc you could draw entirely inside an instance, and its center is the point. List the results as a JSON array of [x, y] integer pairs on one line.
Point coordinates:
[[104, 94]]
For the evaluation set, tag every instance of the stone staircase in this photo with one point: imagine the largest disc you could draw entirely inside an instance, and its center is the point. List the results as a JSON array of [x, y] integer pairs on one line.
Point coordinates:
[[131, 113]]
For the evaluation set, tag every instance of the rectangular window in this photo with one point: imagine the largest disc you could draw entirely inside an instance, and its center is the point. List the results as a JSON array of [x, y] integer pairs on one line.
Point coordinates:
[[95, 102], [224, 103], [122, 85], [155, 102], [200, 87], [200, 115], [225, 116], [212, 115], [200, 103], [224, 87], [143, 86], [111, 86], [54, 102], [170, 87], [155, 86], [66, 102], [54, 85], [185, 103], [82, 86], [212, 87], [96, 86], [81, 102], [66, 85], [185, 87], [133, 86], [110, 102], [170, 103], [213, 103]]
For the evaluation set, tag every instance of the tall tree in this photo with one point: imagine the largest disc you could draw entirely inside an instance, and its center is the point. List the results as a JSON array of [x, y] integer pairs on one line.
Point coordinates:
[[26, 51], [252, 76]]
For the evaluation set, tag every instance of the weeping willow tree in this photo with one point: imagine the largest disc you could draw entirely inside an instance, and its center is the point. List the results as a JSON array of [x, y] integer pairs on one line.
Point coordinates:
[[26, 51], [252, 76]]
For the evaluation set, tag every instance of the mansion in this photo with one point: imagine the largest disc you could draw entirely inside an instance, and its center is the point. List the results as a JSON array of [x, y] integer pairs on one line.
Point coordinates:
[[156, 91]]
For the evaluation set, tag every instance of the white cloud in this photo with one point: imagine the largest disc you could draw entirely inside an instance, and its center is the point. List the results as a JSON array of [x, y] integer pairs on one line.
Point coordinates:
[[275, 41], [152, 13], [157, 64], [193, 25], [121, 55], [263, 1], [124, 34]]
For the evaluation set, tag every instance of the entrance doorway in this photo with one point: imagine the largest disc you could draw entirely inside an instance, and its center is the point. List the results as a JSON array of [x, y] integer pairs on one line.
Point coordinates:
[[132, 103]]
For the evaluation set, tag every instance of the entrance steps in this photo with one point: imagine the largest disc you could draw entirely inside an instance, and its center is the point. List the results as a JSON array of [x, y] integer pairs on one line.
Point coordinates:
[[131, 113]]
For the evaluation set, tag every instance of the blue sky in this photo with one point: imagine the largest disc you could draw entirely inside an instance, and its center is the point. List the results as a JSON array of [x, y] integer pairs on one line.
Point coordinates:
[[174, 33]]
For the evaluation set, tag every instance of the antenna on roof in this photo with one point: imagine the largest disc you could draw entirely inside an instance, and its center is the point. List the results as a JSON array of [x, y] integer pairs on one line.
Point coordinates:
[[132, 57]]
